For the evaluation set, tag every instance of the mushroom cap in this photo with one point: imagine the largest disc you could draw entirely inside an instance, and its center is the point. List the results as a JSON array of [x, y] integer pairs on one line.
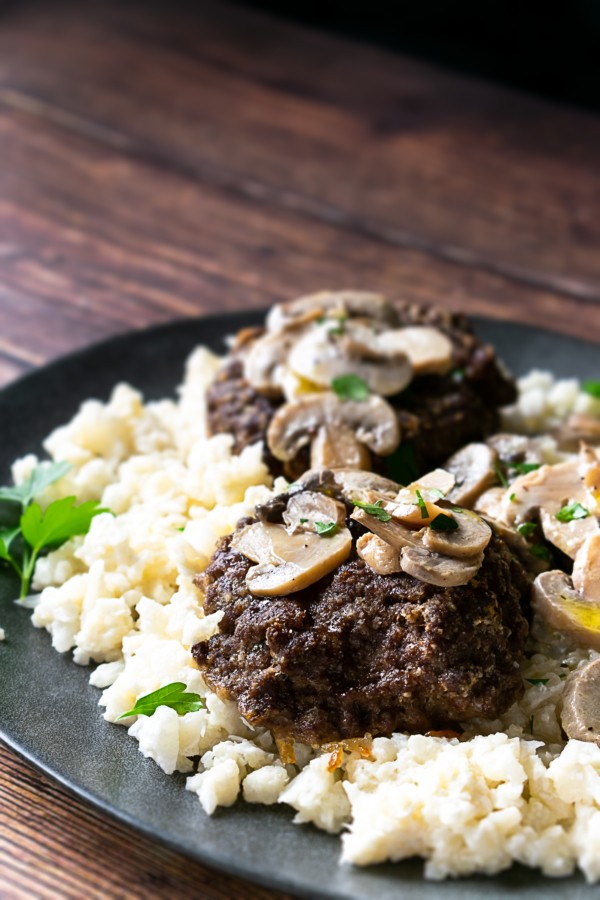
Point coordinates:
[[586, 569], [565, 609], [265, 362], [428, 349], [378, 554], [295, 424], [338, 448], [433, 568], [306, 508], [580, 716], [321, 355], [287, 563], [474, 470], [351, 303], [470, 538]]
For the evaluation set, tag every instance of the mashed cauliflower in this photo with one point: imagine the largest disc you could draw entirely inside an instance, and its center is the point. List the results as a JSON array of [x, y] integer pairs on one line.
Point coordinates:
[[122, 597]]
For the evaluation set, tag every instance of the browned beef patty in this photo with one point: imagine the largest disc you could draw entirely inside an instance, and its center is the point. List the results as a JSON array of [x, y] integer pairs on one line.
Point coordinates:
[[438, 413], [362, 653]]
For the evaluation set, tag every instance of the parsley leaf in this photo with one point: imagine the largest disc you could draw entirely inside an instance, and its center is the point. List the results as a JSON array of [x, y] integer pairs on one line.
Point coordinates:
[[513, 498], [443, 523], [527, 528], [61, 521], [537, 680], [435, 493], [523, 468], [350, 387], [422, 505], [374, 509], [571, 512], [592, 388], [41, 478], [325, 528], [171, 695]]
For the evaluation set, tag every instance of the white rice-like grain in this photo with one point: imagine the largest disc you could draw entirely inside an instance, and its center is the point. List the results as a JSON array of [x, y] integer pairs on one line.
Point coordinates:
[[123, 597]]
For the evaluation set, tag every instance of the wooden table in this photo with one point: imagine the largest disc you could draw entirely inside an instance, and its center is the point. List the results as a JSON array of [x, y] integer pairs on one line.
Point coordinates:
[[161, 160]]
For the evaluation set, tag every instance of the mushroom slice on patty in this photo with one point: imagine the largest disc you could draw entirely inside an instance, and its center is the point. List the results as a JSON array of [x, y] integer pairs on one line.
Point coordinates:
[[474, 470], [580, 716], [429, 351], [336, 448], [350, 303], [304, 510], [295, 424], [322, 355], [468, 540], [443, 571], [586, 569], [378, 554], [288, 563]]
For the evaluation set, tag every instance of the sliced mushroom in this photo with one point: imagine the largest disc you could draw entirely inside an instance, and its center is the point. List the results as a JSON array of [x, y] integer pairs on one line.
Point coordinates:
[[589, 471], [357, 485], [323, 355], [433, 568], [428, 349], [516, 448], [352, 303], [468, 540], [586, 570], [265, 362], [580, 716], [567, 536], [378, 554], [288, 563], [415, 505], [305, 509], [474, 470], [295, 424], [559, 604], [577, 428], [519, 545], [393, 533], [338, 448], [489, 503]]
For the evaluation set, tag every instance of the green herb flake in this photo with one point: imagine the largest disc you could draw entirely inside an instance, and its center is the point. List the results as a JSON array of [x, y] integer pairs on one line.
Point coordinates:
[[172, 695], [435, 493], [40, 479], [537, 680], [513, 498], [541, 551], [592, 388], [527, 529], [500, 476], [443, 523], [374, 509], [523, 468], [422, 505], [325, 528], [303, 521], [572, 512], [350, 387], [458, 375]]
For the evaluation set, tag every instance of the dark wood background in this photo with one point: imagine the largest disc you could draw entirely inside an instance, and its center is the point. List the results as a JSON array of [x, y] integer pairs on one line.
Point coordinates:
[[161, 160]]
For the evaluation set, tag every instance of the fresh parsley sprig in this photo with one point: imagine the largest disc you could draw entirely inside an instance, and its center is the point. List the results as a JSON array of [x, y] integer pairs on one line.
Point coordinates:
[[172, 695], [350, 387], [38, 531], [374, 509], [325, 529], [592, 388], [571, 512]]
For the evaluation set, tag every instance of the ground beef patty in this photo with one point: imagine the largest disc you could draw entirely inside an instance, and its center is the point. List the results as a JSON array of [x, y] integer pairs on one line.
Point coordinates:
[[361, 653], [438, 413]]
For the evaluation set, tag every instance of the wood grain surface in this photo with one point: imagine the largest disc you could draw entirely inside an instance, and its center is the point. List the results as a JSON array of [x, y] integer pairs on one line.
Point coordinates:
[[161, 160]]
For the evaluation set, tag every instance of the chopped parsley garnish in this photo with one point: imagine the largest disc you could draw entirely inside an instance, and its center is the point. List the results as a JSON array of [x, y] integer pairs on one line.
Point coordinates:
[[435, 493], [374, 509], [527, 529], [500, 476], [592, 388], [443, 523], [350, 387], [36, 531], [172, 695], [537, 680], [458, 374], [541, 551], [513, 498], [303, 521], [325, 528], [571, 512], [523, 468], [422, 505]]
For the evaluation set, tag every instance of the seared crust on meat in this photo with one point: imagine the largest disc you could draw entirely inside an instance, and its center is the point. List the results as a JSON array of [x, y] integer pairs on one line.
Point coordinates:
[[361, 653]]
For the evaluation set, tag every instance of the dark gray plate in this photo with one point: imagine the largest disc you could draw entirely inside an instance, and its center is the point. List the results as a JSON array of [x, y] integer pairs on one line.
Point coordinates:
[[48, 711]]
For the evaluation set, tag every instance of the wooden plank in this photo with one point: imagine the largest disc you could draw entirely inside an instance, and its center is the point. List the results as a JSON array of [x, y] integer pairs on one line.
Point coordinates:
[[53, 845], [377, 144], [104, 242]]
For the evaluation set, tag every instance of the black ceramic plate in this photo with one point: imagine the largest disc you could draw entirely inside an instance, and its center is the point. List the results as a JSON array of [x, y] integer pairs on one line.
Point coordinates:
[[58, 726]]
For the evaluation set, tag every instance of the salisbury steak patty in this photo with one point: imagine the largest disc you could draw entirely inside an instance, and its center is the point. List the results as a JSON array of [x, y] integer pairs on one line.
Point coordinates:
[[361, 653]]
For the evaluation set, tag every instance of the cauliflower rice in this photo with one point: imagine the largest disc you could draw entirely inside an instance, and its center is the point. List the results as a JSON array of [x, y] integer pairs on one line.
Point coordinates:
[[122, 597]]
